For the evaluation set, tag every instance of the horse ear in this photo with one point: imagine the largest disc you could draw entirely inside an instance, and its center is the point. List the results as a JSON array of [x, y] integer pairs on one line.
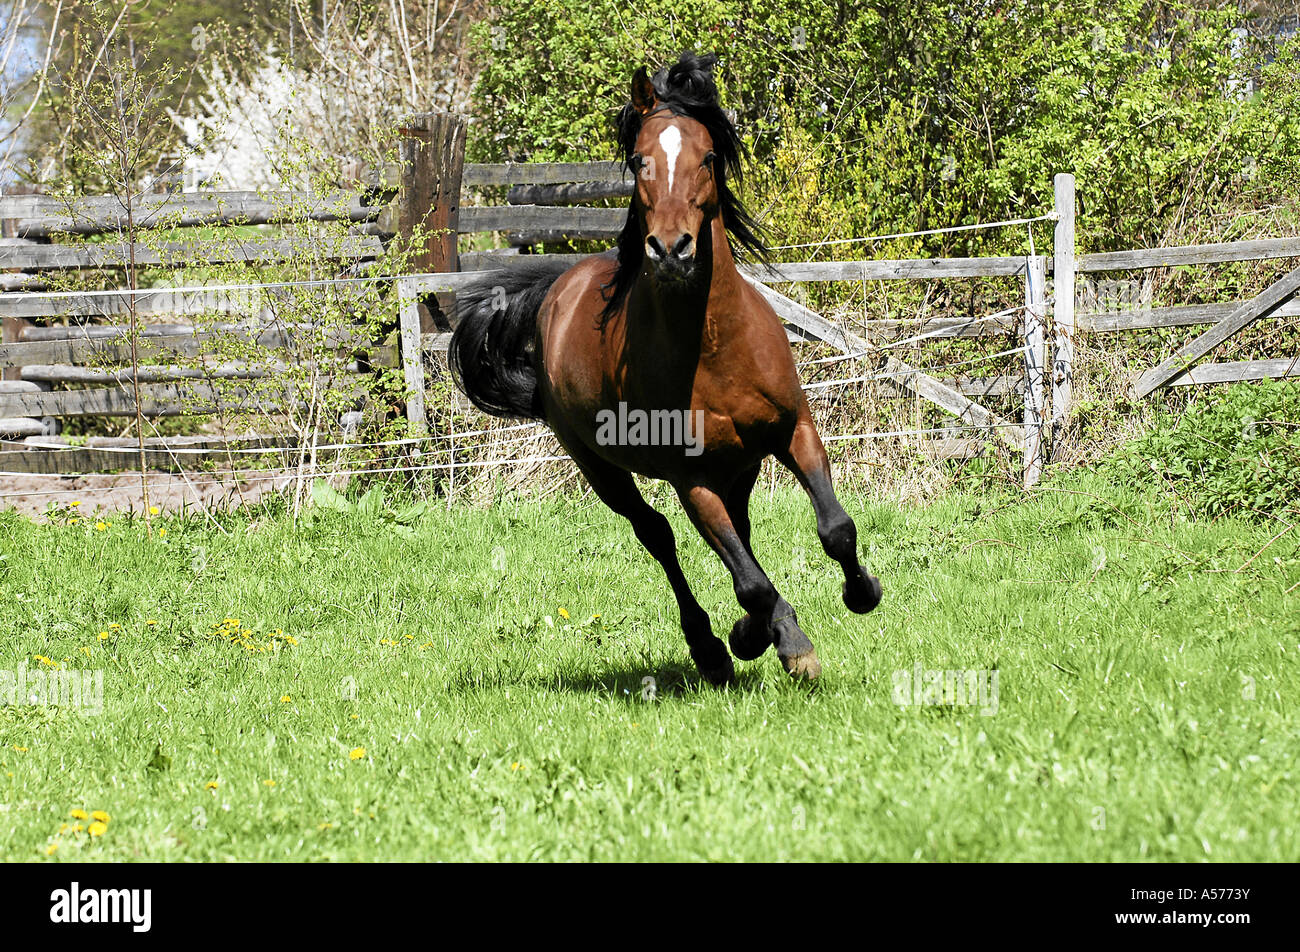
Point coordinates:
[[643, 91]]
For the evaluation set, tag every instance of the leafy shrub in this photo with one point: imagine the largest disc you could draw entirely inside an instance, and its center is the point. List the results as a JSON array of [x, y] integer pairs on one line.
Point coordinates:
[[1238, 452]]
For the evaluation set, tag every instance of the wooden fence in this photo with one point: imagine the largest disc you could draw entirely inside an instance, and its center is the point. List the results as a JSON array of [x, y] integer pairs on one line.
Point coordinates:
[[544, 204]]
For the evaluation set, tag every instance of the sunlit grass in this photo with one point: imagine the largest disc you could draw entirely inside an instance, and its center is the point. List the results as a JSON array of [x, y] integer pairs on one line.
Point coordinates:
[[474, 687]]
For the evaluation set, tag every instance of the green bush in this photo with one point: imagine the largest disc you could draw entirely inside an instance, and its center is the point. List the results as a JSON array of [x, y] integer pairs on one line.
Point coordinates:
[[1238, 452]]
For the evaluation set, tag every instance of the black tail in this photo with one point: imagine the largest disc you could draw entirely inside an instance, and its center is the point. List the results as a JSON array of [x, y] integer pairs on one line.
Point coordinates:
[[492, 355]]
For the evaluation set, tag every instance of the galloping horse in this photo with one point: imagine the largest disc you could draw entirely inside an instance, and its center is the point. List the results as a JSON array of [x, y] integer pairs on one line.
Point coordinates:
[[666, 328]]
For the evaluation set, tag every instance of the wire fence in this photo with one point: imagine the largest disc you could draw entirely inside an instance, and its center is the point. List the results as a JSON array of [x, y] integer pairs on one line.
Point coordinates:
[[490, 447]]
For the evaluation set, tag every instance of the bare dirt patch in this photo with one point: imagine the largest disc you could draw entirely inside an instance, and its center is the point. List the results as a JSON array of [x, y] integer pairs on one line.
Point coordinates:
[[121, 492]]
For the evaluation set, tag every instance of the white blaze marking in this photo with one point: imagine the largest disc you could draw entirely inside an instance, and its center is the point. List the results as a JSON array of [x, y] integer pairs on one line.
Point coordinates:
[[670, 140]]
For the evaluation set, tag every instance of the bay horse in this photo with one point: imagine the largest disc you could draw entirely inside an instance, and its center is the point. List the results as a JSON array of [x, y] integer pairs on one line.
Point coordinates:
[[666, 327]]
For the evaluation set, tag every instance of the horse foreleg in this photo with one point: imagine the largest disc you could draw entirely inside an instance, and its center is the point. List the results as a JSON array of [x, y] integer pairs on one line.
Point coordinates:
[[766, 610], [618, 491], [806, 458]]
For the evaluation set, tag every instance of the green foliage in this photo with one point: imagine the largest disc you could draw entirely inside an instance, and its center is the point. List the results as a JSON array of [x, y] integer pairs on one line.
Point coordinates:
[[371, 507], [931, 114], [1236, 453]]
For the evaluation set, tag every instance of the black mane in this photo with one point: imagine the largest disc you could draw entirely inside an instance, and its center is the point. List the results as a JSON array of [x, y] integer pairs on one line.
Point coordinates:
[[686, 89]]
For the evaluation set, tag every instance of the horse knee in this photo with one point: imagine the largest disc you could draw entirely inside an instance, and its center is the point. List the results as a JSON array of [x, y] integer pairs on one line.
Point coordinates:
[[839, 537]]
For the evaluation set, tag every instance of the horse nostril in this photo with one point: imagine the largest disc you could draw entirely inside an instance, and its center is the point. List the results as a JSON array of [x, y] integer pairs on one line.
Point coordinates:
[[654, 248], [680, 249]]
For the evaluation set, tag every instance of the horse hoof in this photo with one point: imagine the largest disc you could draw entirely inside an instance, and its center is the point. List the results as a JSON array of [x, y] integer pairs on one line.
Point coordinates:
[[804, 667], [748, 640], [864, 596], [716, 668]]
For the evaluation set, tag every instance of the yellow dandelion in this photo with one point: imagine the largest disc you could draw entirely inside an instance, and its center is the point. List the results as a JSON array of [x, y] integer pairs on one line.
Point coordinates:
[[564, 614], [268, 783], [103, 636], [151, 622], [21, 750], [76, 502], [49, 850], [211, 785], [79, 814], [100, 815], [114, 626], [325, 826], [101, 526], [162, 533], [97, 828], [154, 510], [357, 753], [285, 699]]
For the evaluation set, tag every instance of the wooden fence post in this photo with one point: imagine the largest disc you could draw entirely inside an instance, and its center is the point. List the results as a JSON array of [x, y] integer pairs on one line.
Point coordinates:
[[1063, 306], [11, 328], [412, 354], [433, 162], [1035, 364]]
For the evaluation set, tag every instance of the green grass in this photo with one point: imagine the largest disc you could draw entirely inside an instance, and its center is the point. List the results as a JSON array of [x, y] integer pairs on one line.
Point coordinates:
[[1146, 702]]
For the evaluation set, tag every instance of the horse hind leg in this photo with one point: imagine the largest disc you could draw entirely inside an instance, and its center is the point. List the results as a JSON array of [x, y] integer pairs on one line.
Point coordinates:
[[749, 638], [806, 458], [768, 612], [618, 491]]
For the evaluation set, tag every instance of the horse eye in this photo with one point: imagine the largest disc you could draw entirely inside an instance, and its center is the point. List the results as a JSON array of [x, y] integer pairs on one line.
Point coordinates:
[[708, 159]]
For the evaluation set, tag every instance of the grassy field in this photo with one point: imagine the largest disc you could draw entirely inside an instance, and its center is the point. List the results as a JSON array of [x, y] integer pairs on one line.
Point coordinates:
[[471, 686]]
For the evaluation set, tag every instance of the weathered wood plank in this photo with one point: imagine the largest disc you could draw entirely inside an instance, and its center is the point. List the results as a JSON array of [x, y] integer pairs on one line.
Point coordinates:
[[158, 399], [888, 270], [1255, 250], [541, 173], [30, 306], [543, 218], [20, 426], [153, 373], [574, 193], [1232, 371], [107, 345], [179, 254], [491, 260], [1262, 305], [1185, 315], [435, 343], [43, 215]]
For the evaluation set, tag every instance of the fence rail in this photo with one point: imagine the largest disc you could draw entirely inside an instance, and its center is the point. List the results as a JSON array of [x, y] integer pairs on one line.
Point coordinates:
[[69, 371]]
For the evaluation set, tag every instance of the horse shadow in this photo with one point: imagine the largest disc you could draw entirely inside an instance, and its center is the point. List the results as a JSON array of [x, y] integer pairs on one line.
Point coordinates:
[[637, 685]]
